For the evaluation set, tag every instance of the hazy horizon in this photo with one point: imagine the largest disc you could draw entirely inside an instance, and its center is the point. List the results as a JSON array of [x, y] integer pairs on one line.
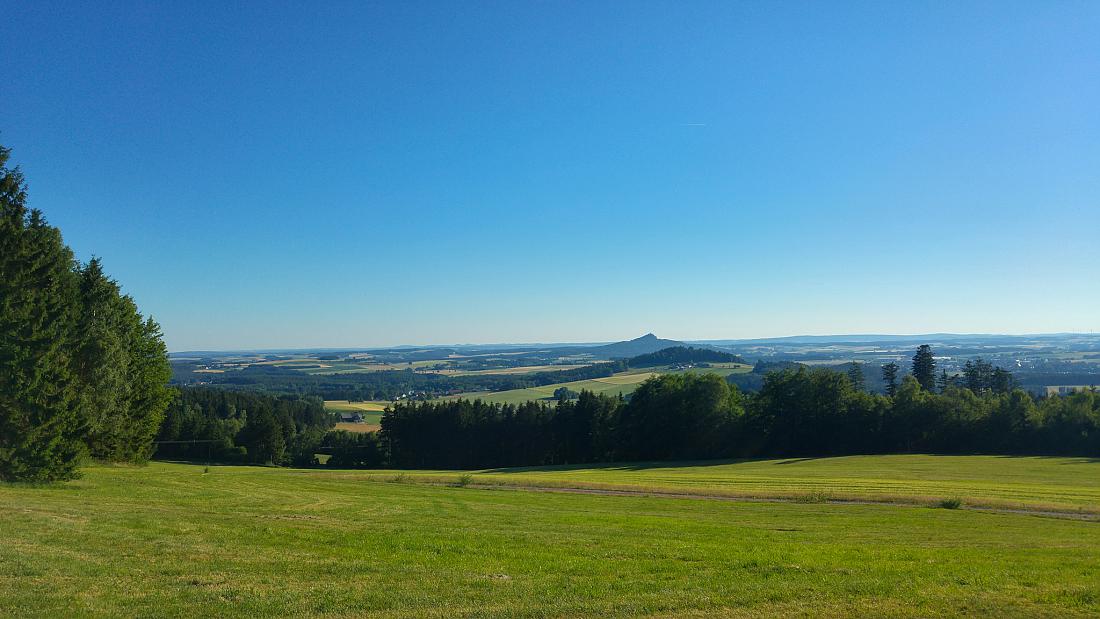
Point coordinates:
[[281, 176], [518, 343]]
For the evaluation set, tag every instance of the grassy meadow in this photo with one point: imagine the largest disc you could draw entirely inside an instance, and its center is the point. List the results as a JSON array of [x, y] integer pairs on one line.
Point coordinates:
[[1069, 485], [183, 540]]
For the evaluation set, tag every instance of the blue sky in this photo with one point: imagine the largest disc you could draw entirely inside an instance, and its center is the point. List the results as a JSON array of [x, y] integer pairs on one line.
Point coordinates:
[[329, 174]]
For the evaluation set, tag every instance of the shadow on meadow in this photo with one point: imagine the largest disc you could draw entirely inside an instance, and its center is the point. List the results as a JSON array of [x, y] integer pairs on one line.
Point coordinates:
[[701, 464]]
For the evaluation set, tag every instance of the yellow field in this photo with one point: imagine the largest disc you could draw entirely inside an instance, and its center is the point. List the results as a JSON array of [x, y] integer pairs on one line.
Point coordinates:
[[523, 369], [359, 427], [631, 378], [611, 385], [343, 406]]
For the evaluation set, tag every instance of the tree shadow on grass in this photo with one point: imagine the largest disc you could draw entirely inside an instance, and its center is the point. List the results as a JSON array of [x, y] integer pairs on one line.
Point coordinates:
[[806, 459], [666, 464], [1066, 459], [642, 466]]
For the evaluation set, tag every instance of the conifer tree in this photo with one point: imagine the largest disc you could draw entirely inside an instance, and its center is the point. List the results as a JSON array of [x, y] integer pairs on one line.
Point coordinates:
[[942, 382], [149, 394], [81, 371], [100, 363], [924, 367], [40, 426], [890, 377], [855, 375], [122, 370]]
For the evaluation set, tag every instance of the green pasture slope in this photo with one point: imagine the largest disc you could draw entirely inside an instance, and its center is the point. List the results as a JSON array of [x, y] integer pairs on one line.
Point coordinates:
[[1070, 485], [174, 540]]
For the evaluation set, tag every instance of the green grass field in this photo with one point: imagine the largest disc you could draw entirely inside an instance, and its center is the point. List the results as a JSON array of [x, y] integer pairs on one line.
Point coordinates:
[[1003, 482], [173, 540]]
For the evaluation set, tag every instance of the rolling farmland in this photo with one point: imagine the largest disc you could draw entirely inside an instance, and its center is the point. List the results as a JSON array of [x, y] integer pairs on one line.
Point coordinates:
[[623, 382]]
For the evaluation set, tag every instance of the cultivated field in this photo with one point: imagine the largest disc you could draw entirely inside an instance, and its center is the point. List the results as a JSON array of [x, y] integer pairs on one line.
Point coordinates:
[[175, 540], [521, 369], [623, 382], [612, 385], [371, 412], [343, 406]]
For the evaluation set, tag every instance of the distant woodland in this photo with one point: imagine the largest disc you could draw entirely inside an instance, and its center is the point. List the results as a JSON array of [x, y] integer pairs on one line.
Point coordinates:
[[797, 412]]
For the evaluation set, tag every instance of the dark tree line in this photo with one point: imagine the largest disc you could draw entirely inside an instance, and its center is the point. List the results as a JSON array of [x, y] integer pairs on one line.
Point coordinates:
[[801, 412], [753, 381], [797, 412], [682, 354], [82, 372], [245, 427]]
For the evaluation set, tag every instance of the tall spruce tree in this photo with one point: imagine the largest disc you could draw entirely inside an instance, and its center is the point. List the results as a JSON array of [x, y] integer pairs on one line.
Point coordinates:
[[122, 370], [924, 367], [855, 375], [40, 425], [890, 377], [81, 371], [942, 381], [149, 394], [100, 362]]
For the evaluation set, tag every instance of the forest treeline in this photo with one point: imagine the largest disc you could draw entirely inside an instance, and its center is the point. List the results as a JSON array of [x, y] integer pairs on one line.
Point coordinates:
[[82, 372], [798, 411], [682, 354], [244, 427]]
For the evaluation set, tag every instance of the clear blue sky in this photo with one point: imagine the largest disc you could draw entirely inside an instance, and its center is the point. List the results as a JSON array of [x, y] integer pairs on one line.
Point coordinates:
[[327, 174]]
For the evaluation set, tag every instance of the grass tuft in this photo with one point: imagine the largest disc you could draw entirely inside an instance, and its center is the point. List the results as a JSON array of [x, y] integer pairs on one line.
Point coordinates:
[[464, 480], [951, 503], [816, 496]]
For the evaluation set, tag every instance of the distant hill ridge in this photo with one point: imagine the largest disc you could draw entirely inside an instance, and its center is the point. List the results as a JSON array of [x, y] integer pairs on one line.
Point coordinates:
[[682, 354], [644, 345]]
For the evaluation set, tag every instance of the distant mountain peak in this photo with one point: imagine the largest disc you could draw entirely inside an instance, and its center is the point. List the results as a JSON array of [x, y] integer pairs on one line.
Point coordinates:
[[645, 344]]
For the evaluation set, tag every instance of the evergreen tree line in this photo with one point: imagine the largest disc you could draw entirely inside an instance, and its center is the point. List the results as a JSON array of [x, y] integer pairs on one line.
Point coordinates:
[[82, 372], [204, 424], [797, 412], [682, 354]]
